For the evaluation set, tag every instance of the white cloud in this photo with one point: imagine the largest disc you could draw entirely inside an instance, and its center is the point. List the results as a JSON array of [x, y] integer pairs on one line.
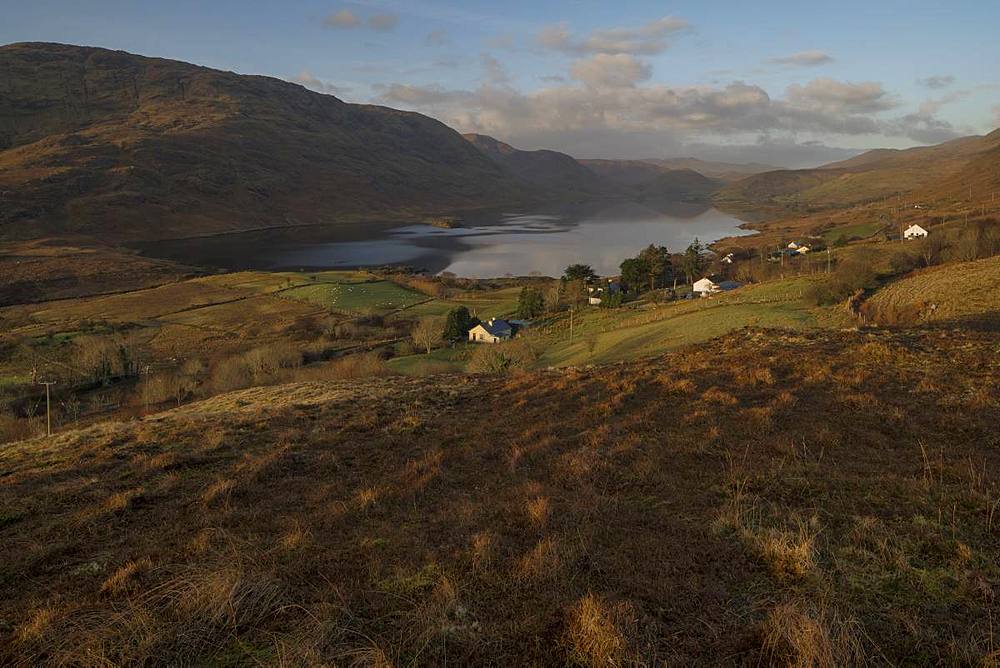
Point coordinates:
[[610, 70], [829, 95], [309, 80], [383, 22], [345, 18], [937, 81], [803, 59], [648, 39], [437, 38], [495, 72]]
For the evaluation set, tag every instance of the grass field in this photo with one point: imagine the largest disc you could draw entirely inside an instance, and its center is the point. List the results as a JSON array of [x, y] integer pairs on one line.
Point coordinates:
[[949, 292], [610, 336], [725, 505], [381, 296], [847, 232], [442, 360]]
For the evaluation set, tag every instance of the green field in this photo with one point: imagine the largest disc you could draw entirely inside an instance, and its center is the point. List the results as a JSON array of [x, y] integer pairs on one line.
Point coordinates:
[[442, 360], [483, 305], [356, 297], [847, 232], [609, 336]]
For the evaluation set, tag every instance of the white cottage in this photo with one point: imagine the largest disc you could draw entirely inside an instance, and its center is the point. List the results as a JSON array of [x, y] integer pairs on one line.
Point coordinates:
[[914, 232], [705, 286], [493, 330]]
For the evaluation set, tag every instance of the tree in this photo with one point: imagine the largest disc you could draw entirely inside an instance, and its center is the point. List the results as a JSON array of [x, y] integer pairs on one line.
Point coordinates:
[[458, 323], [635, 273], [579, 272], [692, 261], [657, 259], [530, 303], [426, 333], [575, 292]]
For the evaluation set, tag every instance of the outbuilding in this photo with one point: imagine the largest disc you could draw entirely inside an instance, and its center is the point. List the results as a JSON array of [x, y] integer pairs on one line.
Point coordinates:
[[914, 232]]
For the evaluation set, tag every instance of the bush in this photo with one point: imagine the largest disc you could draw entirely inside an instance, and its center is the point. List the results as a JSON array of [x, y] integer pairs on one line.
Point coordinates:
[[850, 276], [503, 357], [902, 262]]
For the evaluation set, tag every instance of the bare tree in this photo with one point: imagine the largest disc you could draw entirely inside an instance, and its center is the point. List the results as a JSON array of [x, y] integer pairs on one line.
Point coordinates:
[[427, 332]]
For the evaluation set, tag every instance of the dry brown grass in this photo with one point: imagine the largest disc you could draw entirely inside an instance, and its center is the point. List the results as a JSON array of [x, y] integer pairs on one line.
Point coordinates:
[[420, 522], [591, 635]]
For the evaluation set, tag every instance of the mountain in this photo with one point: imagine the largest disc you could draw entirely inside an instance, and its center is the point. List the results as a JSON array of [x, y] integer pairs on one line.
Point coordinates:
[[650, 179], [552, 171], [727, 171], [940, 173], [107, 143]]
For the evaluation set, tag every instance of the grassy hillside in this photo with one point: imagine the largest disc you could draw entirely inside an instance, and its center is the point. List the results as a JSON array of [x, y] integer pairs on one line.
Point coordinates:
[[957, 292], [929, 174], [603, 336], [771, 498], [107, 143]]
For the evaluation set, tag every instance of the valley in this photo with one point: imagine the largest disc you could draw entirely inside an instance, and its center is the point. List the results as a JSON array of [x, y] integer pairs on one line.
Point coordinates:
[[716, 412]]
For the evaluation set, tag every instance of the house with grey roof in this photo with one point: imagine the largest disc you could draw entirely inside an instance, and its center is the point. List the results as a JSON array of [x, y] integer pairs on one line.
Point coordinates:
[[493, 330]]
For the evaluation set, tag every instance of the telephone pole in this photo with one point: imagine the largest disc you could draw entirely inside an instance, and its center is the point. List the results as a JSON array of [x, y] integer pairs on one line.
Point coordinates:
[[48, 406]]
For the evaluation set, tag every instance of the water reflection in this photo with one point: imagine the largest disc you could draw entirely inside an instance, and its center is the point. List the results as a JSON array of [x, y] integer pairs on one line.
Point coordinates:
[[493, 244]]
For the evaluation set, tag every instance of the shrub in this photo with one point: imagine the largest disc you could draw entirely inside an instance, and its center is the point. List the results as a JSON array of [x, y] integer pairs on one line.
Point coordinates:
[[503, 357]]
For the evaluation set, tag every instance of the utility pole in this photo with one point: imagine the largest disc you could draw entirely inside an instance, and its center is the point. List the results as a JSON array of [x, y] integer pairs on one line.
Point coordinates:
[[145, 385], [48, 405], [828, 260], [571, 310]]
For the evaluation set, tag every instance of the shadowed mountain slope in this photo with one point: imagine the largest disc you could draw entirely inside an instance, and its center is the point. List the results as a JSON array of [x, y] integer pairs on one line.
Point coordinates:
[[106, 143]]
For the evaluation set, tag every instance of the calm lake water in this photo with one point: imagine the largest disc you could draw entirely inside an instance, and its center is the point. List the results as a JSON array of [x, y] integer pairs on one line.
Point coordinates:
[[487, 245]]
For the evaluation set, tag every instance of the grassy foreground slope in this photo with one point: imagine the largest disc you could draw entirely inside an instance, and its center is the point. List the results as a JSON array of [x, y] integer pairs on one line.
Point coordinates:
[[770, 497], [956, 291]]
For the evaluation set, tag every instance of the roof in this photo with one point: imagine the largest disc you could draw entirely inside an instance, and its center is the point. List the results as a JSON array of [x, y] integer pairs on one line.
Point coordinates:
[[914, 228], [496, 327]]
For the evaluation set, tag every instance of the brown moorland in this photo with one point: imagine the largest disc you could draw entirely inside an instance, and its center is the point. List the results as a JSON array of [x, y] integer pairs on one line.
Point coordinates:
[[804, 499], [119, 146]]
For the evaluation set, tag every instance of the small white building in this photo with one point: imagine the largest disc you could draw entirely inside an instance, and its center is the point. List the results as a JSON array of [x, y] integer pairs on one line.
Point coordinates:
[[705, 286], [594, 300], [914, 232], [493, 330], [793, 246], [728, 259]]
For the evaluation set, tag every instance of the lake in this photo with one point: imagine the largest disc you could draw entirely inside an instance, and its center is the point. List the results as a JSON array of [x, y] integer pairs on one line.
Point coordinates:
[[487, 245]]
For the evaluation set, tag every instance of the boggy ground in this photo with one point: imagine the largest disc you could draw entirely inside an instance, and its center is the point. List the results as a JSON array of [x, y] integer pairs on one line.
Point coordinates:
[[772, 497]]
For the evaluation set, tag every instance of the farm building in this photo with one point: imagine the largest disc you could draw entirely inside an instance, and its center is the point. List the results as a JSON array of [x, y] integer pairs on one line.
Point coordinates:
[[914, 232], [707, 286], [493, 330]]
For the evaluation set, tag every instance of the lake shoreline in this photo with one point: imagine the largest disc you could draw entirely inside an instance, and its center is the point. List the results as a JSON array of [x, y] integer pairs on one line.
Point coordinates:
[[491, 243]]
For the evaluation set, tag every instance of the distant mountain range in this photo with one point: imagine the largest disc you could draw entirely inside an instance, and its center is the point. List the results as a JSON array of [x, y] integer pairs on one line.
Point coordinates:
[[963, 170], [107, 144]]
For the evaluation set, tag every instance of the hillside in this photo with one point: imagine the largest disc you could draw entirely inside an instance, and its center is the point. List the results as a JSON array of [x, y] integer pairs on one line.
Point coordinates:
[[106, 143], [740, 503], [929, 174], [556, 173], [648, 180], [727, 171]]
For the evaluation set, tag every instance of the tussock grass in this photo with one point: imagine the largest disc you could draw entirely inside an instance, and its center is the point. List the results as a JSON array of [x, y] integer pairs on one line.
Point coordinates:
[[589, 516]]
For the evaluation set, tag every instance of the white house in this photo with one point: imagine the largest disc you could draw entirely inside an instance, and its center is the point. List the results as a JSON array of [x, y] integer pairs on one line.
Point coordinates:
[[802, 249], [792, 245], [493, 330], [728, 259], [594, 300], [705, 286], [914, 232]]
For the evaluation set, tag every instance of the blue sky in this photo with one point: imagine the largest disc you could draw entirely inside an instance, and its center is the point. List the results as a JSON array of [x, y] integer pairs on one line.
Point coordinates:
[[790, 83]]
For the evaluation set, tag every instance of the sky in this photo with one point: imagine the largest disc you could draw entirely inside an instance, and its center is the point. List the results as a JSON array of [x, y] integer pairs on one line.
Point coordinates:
[[786, 83]]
